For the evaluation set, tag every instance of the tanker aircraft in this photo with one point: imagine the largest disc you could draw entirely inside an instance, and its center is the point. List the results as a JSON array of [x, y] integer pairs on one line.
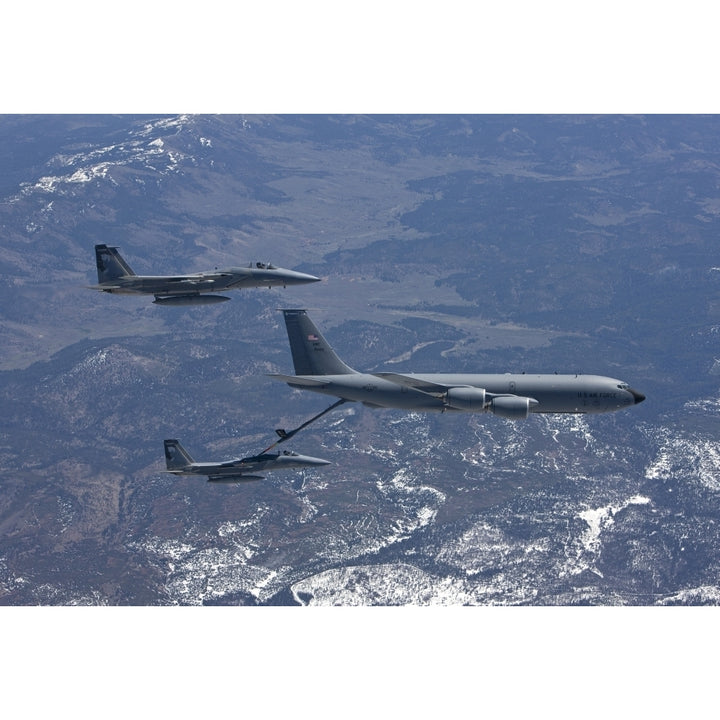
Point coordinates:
[[116, 276], [179, 462], [511, 396]]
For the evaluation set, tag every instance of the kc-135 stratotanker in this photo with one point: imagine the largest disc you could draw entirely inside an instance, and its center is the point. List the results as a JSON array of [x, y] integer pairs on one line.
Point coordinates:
[[116, 276], [509, 395]]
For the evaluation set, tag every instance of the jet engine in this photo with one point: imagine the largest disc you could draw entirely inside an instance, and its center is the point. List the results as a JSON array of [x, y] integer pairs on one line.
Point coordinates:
[[512, 407], [469, 399]]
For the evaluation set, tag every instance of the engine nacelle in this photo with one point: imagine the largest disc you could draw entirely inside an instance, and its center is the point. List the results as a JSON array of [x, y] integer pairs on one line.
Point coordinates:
[[469, 399], [512, 407]]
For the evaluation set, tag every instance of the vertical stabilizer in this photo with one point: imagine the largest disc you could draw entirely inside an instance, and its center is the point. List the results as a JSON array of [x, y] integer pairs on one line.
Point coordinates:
[[176, 457], [110, 264], [311, 353]]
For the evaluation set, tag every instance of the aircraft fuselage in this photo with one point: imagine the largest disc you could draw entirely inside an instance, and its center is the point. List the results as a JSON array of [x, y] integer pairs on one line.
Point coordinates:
[[204, 282], [553, 393], [116, 276], [245, 469]]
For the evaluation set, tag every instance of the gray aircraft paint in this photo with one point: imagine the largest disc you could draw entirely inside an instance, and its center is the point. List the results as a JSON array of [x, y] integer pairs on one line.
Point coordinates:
[[179, 462], [116, 276], [513, 396]]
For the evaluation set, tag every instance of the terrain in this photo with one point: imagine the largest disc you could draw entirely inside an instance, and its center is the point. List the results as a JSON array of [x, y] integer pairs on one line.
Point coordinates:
[[445, 243]]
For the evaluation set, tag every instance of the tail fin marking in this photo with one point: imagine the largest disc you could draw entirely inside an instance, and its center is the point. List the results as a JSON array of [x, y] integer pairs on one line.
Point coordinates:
[[176, 456], [110, 264], [311, 353]]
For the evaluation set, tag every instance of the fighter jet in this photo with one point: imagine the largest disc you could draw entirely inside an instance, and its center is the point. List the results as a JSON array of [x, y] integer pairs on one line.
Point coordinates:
[[179, 462], [511, 396], [116, 276]]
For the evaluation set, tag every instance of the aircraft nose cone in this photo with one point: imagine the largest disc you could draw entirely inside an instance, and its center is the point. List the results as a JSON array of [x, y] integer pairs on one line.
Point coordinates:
[[292, 277], [308, 278], [639, 397], [309, 460]]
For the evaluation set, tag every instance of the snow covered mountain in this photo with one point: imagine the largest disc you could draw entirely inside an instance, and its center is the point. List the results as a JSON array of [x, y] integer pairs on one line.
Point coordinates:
[[486, 244]]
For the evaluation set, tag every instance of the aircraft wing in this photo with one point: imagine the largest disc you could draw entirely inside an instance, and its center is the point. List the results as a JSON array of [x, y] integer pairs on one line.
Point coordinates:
[[191, 279], [425, 386], [430, 388], [188, 279], [299, 380], [468, 398]]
